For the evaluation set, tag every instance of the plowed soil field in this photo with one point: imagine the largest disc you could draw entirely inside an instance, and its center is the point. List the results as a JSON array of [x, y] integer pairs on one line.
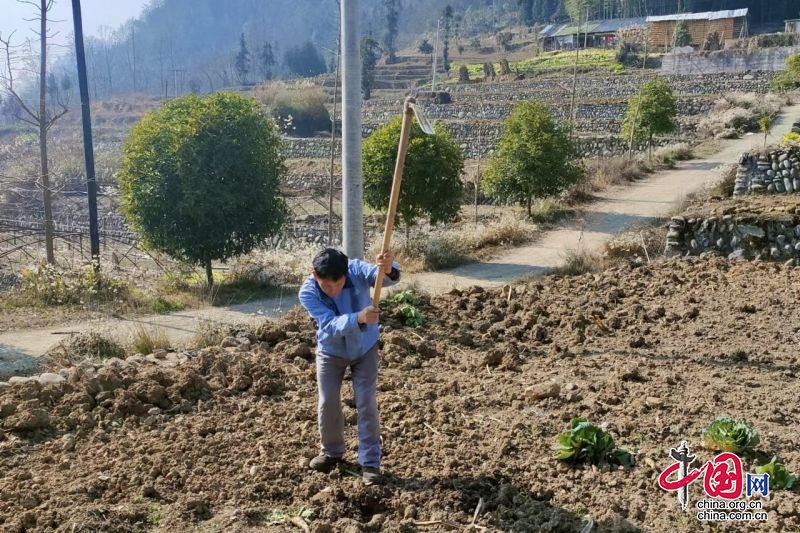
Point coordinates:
[[471, 403]]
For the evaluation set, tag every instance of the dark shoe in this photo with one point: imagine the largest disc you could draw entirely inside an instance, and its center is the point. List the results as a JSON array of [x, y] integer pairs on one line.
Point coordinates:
[[324, 463], [371, 475]]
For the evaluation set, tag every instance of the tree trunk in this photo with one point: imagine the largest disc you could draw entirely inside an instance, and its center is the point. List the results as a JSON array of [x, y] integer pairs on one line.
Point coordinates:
[[133, 53], [48, 208], [650, 146], [209, 274], [93, 70], [108, 73], [530, 213]]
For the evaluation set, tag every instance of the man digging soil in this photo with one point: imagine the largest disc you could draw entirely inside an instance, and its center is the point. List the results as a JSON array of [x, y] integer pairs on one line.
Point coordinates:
[[337, 296]]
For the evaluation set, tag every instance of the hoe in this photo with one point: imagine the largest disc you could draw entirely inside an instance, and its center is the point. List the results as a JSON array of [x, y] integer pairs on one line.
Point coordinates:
[[410, 110]]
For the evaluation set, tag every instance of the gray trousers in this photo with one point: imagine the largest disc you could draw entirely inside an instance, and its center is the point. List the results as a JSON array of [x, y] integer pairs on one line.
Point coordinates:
[[330, 374]]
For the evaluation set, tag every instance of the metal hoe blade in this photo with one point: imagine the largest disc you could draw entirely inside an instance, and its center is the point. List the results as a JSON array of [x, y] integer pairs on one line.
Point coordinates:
[[422, 119]]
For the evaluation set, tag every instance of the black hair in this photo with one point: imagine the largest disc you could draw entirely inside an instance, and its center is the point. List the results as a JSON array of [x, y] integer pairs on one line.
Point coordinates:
[[330, 264]]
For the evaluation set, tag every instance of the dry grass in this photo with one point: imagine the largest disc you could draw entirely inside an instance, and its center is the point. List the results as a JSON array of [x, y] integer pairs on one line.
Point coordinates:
[[508, 230], [737, 113], [725, 187], [615, 171], [605, 173], [82, 347], [260, 274], [453, 247], [409, 254], [275, 267], [268, 93], [446, 251], [644, 243], [577, 262], [551, 210], [706, 148], [59, 294], [667, 155], [119, 112], [147, 341], [210, 334]]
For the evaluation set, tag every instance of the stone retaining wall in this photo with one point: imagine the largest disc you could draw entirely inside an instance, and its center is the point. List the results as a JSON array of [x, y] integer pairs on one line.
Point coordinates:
[[724, 61], [598, 87], [607, 110], [775, 172], [474, 142], [737, 236]]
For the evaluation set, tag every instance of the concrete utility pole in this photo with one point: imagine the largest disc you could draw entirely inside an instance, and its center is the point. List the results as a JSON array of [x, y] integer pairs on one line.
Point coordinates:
[[352, 181], [88, 148]]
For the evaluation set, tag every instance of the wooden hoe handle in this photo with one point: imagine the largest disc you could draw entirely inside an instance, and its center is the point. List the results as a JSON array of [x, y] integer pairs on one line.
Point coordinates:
[[405, 131]]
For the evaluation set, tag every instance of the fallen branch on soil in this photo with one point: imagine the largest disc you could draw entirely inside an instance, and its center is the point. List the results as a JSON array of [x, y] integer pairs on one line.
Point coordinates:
[[438, 522], [477, 511], [472, 525], [431, 428], [299, 522], [420, 337], [460, 350]]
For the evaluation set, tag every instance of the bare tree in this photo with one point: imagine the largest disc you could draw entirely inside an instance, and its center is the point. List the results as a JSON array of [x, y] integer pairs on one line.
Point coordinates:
[[43, 119], [131, 52], [207, 73], [90, 46], [160, 54], [107, 44]]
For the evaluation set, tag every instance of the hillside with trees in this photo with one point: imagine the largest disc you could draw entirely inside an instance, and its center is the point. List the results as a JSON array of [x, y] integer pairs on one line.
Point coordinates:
[[179, 46]]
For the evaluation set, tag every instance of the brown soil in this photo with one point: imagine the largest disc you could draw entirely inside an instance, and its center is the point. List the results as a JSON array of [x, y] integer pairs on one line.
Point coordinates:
[[771, 206], [655, 352]]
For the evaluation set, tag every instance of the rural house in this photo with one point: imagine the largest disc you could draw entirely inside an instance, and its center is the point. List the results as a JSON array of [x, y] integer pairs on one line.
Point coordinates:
[[592, 34], [730, 24]]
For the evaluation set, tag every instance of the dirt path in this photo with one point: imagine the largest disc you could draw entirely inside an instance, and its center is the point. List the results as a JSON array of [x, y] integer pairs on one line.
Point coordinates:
[[617, 209]]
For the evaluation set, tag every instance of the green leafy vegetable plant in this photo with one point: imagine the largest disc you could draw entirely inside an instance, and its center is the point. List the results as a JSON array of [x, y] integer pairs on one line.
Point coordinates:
[[779, 477], [728, 435], [405, 304], [586, 442], [410, 315], [282, 516], [406, 297]]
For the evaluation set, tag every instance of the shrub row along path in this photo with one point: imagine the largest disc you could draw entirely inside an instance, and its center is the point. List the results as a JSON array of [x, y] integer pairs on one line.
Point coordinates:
[[614, 211]]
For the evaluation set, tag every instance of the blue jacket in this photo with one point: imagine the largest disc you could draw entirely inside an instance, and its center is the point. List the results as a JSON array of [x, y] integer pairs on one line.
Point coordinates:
[[338, 332]]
